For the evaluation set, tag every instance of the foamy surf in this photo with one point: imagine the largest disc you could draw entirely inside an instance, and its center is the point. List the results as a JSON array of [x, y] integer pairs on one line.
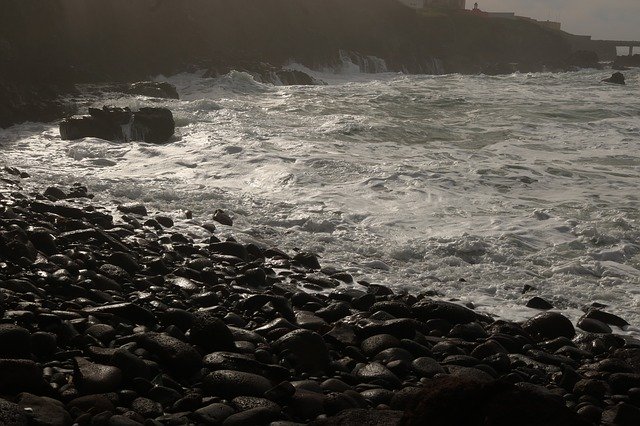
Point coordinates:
[[470, 186]]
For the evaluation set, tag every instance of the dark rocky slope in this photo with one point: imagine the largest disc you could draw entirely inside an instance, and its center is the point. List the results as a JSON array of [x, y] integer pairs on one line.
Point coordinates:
[[47, 46]]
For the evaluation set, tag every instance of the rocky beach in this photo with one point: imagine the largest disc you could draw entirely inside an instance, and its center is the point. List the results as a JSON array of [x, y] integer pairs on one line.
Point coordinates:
[[291, 212], [113, 316]]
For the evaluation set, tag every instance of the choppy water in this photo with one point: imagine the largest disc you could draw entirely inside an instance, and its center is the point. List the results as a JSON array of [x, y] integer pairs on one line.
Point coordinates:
[[413, 181]]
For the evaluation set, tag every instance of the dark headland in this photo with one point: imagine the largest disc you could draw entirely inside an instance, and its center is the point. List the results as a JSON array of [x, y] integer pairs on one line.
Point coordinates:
[[48, 46], [113, 315]]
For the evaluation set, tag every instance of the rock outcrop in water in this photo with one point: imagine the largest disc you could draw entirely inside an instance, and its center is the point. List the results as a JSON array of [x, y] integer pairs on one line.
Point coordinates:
[[153, 89], [112, 315], [154, 125], [616, 78]]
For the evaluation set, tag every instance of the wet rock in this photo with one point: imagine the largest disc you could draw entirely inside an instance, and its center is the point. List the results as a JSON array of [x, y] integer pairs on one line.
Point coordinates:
[[15, 342], [606, 317], [106, 123], [153, 125], [294, 77], [593, 325], [362, 417], [93, 404], [12, 414], [230, 384], [130, 365], [146, 407], [377, 343], [20, 375], [378, 374], [306, 404], [130, 311], [178, 356], [425, 310], [549, 325], [255, 416], [623, 414], [91, 378], [616, 78], [44, 411], [539, 303], [455, 400], [210, 333], [153, 89], [334, 312], [308, 260], [230, 248], [222, 217], [426, 367], [214, 414], [133, 208], [305, 350]]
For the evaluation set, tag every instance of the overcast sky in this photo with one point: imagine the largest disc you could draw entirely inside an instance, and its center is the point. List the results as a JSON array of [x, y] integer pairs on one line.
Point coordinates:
[[603, 19]]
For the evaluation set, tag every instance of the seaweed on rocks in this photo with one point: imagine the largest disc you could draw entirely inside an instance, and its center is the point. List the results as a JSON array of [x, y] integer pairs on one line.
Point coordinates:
[[104, 321]]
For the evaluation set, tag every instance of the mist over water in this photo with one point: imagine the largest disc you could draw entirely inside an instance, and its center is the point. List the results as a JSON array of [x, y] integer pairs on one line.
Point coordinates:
[[470, 186]]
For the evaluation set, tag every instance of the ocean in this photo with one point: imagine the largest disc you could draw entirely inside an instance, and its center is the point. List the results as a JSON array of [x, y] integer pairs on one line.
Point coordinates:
[[469, 187]]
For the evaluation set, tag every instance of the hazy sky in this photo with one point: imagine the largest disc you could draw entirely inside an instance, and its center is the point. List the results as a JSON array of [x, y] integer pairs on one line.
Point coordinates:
[[603, 19]]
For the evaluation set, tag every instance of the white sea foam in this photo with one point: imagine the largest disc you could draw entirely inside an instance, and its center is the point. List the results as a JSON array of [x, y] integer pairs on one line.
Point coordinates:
[[470, 186]]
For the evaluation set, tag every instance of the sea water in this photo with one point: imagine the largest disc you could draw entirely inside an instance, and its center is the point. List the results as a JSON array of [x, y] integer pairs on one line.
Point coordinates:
[[471, 187]]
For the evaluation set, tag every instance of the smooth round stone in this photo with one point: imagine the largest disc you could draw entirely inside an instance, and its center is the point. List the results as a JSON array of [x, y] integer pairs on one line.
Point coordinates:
[[377, 396], [378, 373], [44, 410], [378, 343], [549, 325], [91, 378], [214, 414], [593, 326], [181, 358], [230, 384], [255, 416], [305, 349], [244, 403], [426, 367], [15, 341]]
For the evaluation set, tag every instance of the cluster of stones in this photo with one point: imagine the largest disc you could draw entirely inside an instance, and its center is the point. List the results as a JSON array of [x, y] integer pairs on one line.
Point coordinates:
[[127, 321]]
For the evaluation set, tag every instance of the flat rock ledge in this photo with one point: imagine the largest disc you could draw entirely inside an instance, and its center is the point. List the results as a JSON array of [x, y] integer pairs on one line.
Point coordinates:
[[111, 317]]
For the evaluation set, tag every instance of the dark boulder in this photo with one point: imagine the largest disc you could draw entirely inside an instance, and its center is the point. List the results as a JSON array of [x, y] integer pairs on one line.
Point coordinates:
[[305, 350], [616, 78], [458, 401], [539, 303], [20, 375], [44, 410], [425, 310], [549, 325], [153, 89], [178, 356], [230, 384], [154, 125], [106, 123]]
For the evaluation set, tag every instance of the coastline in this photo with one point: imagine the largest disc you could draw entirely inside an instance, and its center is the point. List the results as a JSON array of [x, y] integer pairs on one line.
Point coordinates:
[[73, 42], [99, 300]]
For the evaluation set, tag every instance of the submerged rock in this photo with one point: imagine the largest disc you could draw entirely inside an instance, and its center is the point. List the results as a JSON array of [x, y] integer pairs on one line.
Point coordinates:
[[153, 125], [153, 89], [616, 78]]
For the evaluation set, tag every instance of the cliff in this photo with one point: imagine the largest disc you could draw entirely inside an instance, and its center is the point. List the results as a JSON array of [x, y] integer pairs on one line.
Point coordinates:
[[48, 46]]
